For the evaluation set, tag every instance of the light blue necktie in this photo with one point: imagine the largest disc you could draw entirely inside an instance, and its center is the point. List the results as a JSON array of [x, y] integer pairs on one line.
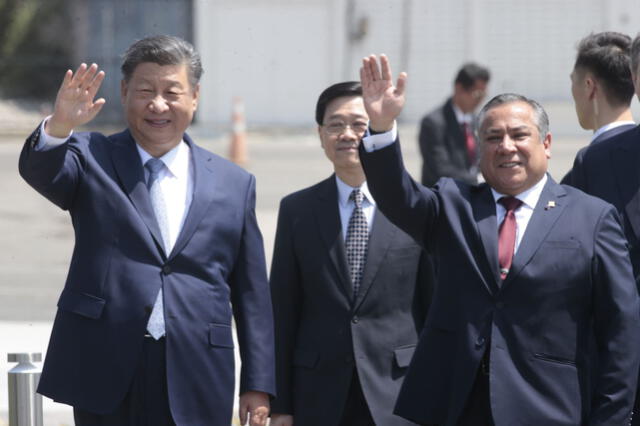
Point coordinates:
[[155, 326]]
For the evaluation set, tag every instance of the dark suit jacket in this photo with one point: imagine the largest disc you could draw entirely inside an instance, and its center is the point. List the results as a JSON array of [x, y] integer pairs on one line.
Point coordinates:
[[444, 148], [603, 137], [321, 335], [570, 279], [118, 266]]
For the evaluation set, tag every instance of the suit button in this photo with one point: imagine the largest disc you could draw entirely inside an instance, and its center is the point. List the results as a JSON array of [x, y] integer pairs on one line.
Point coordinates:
[[148, 309], [355, 319], [500, 305], [166, 269], [480, 342]]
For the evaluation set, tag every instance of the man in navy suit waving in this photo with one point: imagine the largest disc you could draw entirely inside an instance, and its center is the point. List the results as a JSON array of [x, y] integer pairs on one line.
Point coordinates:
[[529, 272], [167, 247]]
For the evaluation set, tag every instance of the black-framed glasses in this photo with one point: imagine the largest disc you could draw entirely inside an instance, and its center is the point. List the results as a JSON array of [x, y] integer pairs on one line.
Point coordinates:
[[338, 127]]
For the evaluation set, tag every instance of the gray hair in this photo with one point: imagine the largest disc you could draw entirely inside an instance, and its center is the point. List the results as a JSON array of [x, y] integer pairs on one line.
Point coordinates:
[[541, 117], [162, 50]]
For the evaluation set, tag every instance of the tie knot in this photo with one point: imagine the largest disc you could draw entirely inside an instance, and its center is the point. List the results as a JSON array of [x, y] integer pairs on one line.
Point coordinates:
[[510, 203], [154, 165], [357, 197]]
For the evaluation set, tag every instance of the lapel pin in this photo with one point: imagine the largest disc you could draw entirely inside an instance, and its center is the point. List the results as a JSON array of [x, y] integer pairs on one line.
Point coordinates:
[[550, 205]]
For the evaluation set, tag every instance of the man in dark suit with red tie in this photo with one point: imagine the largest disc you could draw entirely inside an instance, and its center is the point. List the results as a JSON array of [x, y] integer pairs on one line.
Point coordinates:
[[446, 139], [528, 272]]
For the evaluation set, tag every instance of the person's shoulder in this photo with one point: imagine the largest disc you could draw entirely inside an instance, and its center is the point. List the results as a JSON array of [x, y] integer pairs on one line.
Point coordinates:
[[303, 197], [218, 163], [583, 201], [625, 141], [437, 114]]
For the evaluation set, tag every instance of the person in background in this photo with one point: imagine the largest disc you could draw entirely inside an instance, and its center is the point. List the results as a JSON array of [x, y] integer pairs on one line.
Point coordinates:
[[447, 142], [602, 88], [350, 290]]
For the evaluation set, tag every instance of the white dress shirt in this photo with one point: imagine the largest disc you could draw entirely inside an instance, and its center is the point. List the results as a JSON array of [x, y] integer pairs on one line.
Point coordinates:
[[346, 206], [608, 127], [523, 214], [176, 179]]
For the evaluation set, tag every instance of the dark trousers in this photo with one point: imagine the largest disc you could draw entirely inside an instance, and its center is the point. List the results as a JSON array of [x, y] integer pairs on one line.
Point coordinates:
[[477, 412], [147, 401], [356, 411]]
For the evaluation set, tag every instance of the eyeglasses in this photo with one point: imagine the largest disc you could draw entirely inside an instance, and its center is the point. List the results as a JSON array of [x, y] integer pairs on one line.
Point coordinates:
[[337, 127]]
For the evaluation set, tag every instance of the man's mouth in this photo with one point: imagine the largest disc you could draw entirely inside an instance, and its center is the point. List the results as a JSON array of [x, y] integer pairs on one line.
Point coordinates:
[[510, 165], [157, 122]]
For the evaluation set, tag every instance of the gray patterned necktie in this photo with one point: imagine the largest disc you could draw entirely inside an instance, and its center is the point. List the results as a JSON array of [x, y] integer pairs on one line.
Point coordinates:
[[356, 241], [155, 326]]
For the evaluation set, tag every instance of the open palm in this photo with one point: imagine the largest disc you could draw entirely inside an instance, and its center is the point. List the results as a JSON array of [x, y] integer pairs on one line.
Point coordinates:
[[382, 100], [75, 103]]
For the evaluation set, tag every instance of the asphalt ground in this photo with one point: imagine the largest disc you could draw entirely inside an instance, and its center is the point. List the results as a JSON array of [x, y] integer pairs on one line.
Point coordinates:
[[37, 238]]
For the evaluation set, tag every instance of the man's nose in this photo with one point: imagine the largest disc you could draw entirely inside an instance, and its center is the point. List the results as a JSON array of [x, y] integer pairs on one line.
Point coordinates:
[[158, 104], [507, 144]]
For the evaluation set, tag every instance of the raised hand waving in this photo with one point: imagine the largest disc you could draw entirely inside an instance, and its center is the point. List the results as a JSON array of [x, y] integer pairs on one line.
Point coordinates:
[[75, 103], [382, 100]]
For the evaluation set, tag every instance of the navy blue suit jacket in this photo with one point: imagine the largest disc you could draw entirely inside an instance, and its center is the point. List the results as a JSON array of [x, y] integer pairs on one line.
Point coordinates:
[[603, 137], [118, 266], [570, 280]]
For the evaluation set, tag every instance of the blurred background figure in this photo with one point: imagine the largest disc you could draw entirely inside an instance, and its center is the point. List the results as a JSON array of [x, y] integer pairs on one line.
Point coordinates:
[[602, 87], [446, 138]]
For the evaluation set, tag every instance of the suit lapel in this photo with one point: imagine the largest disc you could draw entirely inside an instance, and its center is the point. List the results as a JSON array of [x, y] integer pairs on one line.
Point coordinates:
[[205, 189], [380, 238], [128, 166], [484, 213], [540, 224], [624, 160], [327, 215]]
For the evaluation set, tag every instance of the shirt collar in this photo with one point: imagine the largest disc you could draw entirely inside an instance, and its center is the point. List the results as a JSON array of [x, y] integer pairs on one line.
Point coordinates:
[[529, 197], [344, 192], [610, 126], [461, 116], [176, 160]]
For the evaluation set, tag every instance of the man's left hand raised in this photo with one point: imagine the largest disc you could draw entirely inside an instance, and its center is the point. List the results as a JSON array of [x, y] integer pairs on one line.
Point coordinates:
[[382, 100], [256, 405]]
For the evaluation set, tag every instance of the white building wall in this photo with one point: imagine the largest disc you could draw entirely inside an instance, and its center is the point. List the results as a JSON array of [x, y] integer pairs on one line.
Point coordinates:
[[278, 55]]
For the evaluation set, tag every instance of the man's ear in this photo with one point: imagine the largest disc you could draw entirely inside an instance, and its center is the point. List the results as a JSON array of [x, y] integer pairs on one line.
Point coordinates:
[[124, 88]]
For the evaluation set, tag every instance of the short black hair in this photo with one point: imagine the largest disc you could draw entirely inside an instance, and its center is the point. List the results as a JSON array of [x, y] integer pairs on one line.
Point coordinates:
[[607, 56], [635, 55], [162, 50], [471, 72], [338, 90]]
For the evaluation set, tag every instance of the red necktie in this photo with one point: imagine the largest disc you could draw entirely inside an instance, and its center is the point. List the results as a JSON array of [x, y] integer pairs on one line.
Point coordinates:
[[507, 234], [470, 142]]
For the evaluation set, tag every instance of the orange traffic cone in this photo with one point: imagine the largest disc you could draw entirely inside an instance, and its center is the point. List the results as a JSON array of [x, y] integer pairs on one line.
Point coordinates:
[[238, 146]]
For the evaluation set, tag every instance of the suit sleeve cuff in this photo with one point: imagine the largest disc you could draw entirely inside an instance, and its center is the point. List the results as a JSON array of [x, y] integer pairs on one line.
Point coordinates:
[[46, 141], [375, 141]]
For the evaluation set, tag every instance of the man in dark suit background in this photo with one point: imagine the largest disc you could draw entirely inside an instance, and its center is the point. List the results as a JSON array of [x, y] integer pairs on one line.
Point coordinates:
[[602, 87], [350, 290], [446, 139], [611, 171], [166, 244], [528, 272]]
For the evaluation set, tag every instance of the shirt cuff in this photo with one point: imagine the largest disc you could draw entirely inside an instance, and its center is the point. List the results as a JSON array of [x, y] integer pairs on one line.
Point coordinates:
[[379, 140], [48, 141]]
